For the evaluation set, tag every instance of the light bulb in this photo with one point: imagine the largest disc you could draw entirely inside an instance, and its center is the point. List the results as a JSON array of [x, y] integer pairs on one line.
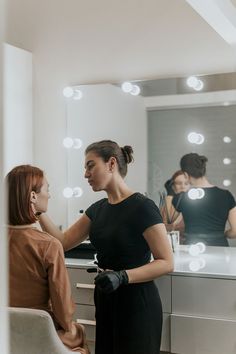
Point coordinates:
[[200, 193], [199, 86], [77, 94], [227, 139], [193, 137], [226, 161], [200, 139], [197, 264], [135, 90], [77, 192], [192, 81], [77, 143], [193, 193], [68, 192], [68, 142], [68, 92], [194, 250], [226, 182], [202, 247], [127, 86]]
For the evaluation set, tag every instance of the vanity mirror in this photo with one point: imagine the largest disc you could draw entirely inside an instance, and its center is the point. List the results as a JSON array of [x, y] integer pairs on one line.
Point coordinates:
[[157, 122]]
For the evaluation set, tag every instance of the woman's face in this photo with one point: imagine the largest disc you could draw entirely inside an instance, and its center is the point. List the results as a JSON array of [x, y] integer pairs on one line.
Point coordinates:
[[181, 184], [98, 172], [41, 198]]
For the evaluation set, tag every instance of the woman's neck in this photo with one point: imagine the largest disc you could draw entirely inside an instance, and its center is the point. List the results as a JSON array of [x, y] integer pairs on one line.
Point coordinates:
[[200, 182], [118, 192]]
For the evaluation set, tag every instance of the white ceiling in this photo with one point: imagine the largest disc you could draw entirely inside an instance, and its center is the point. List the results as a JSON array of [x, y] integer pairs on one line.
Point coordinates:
[[110, 40]]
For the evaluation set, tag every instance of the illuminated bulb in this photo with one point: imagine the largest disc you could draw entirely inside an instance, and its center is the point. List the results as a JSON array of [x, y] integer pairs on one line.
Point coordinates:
[[193, 137], [68, 192], [68, 142], [227, 161], [197, 264], [200, 193], [77, 143], [192, 81], [198, 86], [193, 193], [127, 87], [77, 94], [68, 92], [200, 139], [77, 192], [227, 139], [226, 182], [194, 250], [202, 247], [135, 90]]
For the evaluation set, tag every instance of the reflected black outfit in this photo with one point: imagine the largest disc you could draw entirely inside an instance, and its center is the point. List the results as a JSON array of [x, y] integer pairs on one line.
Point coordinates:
[[205, 218], [129, 320]]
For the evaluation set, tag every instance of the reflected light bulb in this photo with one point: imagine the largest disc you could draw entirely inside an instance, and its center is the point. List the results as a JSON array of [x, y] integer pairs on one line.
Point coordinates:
[[226, 161], [68, 142], [77, 143], [68, 192], [226, 182], [199, 85], [127, 86], [192, 81], [77, 94], [193, 193], [194, 266], [77, 192], [135, 90], [68, 92], [227, 139]]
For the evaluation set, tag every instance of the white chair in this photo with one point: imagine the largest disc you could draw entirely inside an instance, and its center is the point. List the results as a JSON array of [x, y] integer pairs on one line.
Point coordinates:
[[33, 332]]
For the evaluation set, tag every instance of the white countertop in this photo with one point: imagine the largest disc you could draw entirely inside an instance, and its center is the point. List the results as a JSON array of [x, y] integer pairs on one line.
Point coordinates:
[[215, 262]]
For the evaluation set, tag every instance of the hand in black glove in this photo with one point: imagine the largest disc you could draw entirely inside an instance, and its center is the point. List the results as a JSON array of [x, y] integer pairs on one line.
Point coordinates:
[[169, 187], [110, 280]]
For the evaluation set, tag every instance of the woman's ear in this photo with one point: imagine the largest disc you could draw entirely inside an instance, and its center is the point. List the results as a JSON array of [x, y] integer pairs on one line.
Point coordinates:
[[112, 163], [33, 197]]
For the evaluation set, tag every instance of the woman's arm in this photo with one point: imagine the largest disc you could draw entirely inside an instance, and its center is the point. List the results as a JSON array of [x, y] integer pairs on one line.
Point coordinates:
[[231, 233], [158, 242], [73, 236]]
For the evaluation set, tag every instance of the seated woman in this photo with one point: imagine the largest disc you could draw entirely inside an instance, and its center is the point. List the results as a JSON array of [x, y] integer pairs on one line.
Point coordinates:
[[174, 187], [205, 214], [37, 273]]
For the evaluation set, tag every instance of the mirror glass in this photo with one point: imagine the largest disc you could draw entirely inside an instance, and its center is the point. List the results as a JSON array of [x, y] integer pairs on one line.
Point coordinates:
[[156, 122]]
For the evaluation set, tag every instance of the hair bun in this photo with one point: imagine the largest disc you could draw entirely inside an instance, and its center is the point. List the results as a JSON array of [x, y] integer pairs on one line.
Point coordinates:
[[128, 153]]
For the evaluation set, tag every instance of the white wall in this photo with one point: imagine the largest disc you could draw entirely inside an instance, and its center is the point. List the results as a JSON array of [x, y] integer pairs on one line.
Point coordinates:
[[18, 122]]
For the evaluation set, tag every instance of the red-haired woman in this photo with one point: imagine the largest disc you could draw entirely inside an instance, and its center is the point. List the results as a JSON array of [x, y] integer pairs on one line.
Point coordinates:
[[38, 277]]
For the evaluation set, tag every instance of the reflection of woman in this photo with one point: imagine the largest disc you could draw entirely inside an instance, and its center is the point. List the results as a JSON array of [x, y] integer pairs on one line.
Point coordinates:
[[174, 186], [38, 277], [124, 228], [206, 215]]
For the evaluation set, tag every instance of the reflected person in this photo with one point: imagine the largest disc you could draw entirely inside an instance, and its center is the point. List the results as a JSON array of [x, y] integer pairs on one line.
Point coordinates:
[[205, 208], [38, 278], [125, 228]]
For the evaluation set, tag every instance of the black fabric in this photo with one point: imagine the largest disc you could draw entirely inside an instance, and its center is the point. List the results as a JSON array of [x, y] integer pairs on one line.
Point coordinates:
[[129, 320], [206, 216]]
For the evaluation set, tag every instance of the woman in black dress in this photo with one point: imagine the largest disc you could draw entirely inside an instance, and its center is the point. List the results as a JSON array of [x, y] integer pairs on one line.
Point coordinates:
[[125, 228]]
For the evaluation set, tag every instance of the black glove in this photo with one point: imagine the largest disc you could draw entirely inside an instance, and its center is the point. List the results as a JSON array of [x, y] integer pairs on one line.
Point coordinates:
[[110, 280], [169, 187]]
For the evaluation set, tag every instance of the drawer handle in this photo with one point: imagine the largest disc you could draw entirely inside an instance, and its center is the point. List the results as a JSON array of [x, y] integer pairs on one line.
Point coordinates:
[[86, 322], [84, 286]]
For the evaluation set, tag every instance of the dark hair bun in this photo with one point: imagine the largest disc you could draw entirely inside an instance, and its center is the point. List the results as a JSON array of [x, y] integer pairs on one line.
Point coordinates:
[[128, 153]]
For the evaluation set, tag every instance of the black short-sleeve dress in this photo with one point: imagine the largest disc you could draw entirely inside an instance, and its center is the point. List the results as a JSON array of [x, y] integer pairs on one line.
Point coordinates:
[[129, 320]]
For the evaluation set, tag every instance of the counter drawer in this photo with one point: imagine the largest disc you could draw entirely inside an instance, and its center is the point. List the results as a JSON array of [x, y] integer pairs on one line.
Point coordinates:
[[198, 335], [164, 286], [85, 311], [83, 293], [165, 337], [204, 297], [80, 275], [90, 328]]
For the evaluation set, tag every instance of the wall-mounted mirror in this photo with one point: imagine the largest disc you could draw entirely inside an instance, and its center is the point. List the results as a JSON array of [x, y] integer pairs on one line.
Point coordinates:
[[156, 121]]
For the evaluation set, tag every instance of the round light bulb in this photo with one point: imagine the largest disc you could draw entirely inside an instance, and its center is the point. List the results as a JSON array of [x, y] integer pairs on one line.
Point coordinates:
[[68, 192], [135, 90], [193, 193], [77, 143], [77, 94], [77, 192], [227, 139], [200, 193], [200, 139], [194, 266], [199, 86], [226, 182], [202, 247], [226, 161], [68, 92], [68, 142], [193, 137], [127, 86], [192, 81], [194, 250]]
